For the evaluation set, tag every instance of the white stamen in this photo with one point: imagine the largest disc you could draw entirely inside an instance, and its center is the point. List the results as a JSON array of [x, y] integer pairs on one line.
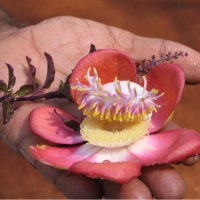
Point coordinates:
[[118, 100]]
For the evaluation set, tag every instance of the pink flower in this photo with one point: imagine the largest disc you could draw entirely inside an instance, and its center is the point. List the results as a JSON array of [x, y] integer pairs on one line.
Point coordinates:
[[120, 132]]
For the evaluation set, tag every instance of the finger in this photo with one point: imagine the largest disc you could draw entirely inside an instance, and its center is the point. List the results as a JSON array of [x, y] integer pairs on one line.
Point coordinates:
[[146, 47], [74, 186], [192, 160], [170, 125], [79, 187], [135, 189], [164, 182]]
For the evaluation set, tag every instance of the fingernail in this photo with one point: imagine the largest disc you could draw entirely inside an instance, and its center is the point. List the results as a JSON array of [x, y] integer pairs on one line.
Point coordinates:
[[33, 166], [196, 157]]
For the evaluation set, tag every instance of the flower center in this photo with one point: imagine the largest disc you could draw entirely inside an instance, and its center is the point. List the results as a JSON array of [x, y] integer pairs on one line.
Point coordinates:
[[112, 134], [118, 113]]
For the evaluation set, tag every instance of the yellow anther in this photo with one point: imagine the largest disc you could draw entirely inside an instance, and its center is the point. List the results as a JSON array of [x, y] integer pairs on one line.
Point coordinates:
[[96, 113], [108, 113], [114, 116], [102, 114], [114, 103], [81, 106], [129, 114], [94, 104], [118, 90]]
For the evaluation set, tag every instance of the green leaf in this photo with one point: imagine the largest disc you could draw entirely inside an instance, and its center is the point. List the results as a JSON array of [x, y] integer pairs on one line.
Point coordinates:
[[8, 111], [32, 71], [61, 86], [10, 92], [50, 71], [3, 86], [11, 77], [24, 90], [65, 88]]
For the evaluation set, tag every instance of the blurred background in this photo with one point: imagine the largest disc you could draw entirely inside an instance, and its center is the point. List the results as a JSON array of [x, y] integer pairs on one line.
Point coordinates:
[[168, 19]]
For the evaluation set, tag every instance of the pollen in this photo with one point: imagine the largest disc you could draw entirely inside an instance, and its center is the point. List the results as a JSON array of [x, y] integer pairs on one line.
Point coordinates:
[[113, 134]]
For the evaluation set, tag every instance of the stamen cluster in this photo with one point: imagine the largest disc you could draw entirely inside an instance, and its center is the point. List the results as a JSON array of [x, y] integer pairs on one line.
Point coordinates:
[[116, 101]]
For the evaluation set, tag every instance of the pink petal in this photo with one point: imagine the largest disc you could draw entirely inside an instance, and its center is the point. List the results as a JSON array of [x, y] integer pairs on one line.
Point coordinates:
[[63, 157], [167, 147], [48, 125], [116, 164], [170, 79], [109, 64]]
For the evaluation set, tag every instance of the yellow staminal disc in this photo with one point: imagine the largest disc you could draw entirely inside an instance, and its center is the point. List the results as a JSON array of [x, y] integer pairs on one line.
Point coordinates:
[[113, 134]]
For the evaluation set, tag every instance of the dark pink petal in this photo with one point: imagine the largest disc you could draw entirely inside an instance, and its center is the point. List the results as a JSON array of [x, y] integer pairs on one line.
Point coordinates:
[[170, 79], [120, 172], [63, 157], [167, 147], [116, 164], [109, 64], [48, 125]]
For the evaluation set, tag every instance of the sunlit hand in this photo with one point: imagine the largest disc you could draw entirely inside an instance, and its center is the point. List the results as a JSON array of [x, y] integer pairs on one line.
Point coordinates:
[[67, 40]]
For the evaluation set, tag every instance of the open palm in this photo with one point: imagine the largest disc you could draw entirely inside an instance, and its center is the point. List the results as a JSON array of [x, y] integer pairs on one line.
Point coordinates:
[[67, 40]]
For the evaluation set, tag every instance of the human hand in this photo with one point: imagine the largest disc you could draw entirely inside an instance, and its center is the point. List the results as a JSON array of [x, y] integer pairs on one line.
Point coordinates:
[[67, 40]]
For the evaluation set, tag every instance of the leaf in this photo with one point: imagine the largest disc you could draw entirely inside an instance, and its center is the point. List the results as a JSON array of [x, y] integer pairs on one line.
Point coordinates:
[[3, 86], [32, 71], [65, 88], [50, 71], [92, 48], [10, 92], [25, 90], [8, 111], [11, 77], [70, 123], [61, 86]]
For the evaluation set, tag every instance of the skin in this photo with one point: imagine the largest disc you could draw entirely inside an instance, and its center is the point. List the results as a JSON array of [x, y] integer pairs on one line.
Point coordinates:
[[67, 40]]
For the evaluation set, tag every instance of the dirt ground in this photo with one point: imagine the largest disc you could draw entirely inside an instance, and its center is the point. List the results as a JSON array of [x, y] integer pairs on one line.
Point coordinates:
[[172, 20]]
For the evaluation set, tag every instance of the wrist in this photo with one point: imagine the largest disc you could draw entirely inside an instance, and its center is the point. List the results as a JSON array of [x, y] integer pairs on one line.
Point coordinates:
[[9, 23]]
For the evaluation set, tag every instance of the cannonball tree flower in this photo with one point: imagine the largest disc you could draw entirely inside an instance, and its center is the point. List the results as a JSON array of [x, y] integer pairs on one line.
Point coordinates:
[[120, 132]]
